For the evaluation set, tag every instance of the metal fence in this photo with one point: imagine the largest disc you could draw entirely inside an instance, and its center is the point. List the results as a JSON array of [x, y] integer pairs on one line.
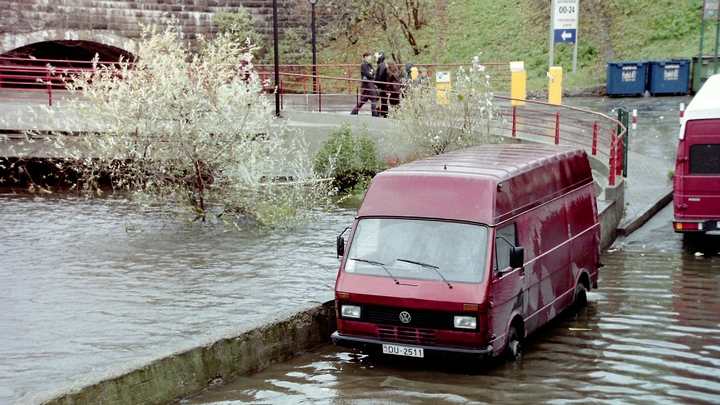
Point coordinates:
[[336, 89]]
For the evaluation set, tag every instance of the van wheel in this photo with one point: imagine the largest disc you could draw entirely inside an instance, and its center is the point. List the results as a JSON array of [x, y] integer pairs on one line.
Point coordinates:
[[580, 301], [513, 346]]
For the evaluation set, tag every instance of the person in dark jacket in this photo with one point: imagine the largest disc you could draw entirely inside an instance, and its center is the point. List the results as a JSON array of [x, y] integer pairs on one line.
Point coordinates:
[[407, 73], [395, 78], [369, 91], [381, 77]]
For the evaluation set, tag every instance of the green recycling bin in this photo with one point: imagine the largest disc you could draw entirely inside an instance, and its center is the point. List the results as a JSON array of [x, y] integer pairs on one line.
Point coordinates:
[[702, 69]]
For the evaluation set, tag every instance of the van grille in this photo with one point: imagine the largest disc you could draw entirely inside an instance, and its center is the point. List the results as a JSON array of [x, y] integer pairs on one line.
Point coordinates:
[[418, 318], [406, 335]]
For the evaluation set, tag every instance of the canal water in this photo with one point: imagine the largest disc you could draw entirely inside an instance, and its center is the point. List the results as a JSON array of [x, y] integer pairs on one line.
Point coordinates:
[[85, 293], [650, 335]]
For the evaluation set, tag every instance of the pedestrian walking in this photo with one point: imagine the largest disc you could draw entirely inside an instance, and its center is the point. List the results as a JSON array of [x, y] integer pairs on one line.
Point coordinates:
[[381, 77], [369, 91], [395, 78]]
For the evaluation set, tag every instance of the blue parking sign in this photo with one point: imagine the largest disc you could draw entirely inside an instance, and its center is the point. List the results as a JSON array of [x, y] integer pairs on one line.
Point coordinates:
[[565, 35]]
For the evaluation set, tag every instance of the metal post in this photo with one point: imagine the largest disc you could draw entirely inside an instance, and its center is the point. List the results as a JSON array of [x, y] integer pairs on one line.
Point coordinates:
[[595, 138], [551, 61], [623, 117], [277, 60], [514, 124], [717, 41], [613, 160], [314, 50], [557, 128], [49, 85]]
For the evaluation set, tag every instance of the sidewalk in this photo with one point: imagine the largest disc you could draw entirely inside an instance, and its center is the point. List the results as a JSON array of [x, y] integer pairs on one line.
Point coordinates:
[[648, 189]]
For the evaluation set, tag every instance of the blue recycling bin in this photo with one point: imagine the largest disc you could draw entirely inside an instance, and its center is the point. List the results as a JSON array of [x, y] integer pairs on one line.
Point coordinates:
[[669, 77], [626, 78]]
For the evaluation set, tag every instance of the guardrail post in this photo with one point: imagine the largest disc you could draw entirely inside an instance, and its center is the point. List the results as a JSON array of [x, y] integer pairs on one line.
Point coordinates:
[[624, 118], [49, 86], [619, 158], [595, 136], [319, 96], [514, 122], [557, 128], [613, 158]]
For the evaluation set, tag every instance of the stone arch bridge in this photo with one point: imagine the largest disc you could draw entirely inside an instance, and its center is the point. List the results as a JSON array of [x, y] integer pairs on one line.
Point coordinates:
[[78, 29]]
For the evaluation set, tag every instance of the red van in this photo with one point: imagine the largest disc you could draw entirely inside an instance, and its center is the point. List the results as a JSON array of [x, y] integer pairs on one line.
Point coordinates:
[[468, 252], [696, 186]]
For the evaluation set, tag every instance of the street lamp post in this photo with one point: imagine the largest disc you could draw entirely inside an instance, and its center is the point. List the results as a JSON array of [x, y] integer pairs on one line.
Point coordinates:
[[314, 52], [277, 60]]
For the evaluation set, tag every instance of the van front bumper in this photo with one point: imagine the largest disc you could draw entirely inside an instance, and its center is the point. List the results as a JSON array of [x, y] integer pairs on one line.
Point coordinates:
[[374, 346]]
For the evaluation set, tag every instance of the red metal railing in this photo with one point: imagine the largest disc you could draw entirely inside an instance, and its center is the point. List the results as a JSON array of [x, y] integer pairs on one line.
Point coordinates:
[[535, 120], [548, 123]]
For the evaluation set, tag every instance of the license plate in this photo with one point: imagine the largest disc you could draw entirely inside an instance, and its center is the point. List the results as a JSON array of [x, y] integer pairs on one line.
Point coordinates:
[[403, 351]]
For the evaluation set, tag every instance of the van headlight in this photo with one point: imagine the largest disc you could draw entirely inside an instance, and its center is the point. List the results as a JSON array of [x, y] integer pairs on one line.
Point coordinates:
[[465, 322], [350, 311]]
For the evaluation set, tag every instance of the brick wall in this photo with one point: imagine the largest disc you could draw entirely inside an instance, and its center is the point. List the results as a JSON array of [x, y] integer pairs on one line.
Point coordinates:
[[116, 22]]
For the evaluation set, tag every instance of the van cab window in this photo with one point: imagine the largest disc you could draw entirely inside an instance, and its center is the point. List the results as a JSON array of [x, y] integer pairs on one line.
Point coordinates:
[[418, 249], [502, 247]]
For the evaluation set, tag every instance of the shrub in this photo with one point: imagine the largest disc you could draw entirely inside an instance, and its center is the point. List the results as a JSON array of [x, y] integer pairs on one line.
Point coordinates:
[[351, 160]]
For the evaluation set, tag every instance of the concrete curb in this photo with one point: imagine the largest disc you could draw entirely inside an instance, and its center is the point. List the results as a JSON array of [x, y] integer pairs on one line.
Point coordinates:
[[626, 228], [184, 374]]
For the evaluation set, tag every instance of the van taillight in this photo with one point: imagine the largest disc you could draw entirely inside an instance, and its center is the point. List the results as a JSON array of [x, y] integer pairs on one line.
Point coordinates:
[[688, 226]]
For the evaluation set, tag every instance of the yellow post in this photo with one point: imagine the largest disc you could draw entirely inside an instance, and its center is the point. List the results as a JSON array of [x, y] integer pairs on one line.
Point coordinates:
[[442, 81], [555, 85], [518, 83]]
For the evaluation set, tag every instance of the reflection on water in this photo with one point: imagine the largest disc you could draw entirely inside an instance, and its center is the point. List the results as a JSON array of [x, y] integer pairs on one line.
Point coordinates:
[[651, 335], [82, 297]]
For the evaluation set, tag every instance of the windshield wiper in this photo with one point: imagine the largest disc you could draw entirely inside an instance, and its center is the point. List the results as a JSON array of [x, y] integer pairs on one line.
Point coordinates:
[[374, 263], [436, 268]]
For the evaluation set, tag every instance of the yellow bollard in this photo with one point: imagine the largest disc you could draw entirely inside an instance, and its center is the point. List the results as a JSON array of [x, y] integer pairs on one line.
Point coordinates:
[[555, 85], [443, 84], [518, 83]]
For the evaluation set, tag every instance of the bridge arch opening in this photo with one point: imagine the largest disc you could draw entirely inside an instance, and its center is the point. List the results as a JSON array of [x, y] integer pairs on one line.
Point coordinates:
[[64, 52]]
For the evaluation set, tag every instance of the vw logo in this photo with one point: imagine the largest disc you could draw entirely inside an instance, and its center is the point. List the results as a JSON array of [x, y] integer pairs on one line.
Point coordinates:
[[405, 317]]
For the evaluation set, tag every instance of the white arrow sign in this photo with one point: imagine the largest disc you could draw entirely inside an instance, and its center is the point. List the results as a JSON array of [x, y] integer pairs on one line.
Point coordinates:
[[565, 35]]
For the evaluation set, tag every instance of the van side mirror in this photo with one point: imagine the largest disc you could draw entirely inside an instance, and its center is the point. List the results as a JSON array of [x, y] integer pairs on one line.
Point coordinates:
[[517, 257], [516, 253], [340, 245]]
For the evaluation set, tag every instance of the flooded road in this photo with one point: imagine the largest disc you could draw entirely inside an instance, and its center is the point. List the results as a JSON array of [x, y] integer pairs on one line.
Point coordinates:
[[651, 335], [84, 294]]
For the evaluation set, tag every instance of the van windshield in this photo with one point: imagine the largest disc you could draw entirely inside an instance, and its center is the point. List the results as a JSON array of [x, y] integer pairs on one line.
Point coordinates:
[[418, 249]]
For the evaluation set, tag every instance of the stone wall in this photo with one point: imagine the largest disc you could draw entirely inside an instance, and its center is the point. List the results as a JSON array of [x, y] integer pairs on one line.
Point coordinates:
[[117, 22], [186, 373]]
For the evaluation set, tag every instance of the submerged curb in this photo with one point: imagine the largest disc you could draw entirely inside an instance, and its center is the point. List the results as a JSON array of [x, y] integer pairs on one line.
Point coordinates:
[[184, 374]]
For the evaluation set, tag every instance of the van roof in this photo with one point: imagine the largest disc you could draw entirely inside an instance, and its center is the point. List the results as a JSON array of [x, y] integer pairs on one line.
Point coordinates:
[[706, 103], [485, 184]]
